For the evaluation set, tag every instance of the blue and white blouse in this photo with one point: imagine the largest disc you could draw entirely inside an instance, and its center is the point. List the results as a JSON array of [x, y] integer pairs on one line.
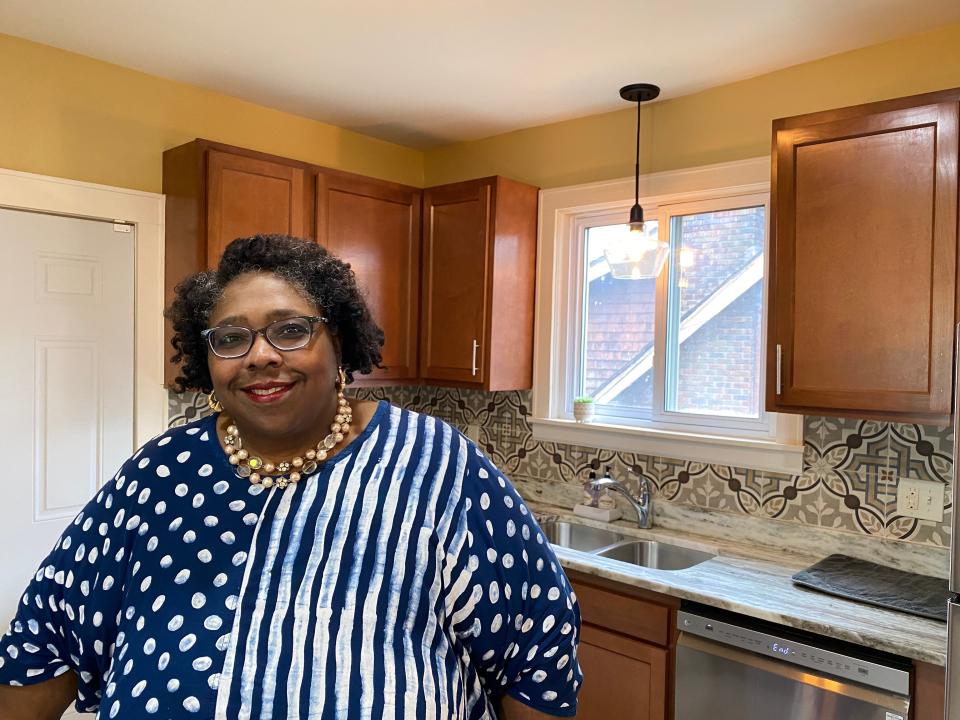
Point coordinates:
[[405, 579]]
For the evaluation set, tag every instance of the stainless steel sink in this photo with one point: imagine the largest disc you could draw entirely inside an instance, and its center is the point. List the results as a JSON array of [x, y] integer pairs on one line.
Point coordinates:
[[578, 537], [656, 555]]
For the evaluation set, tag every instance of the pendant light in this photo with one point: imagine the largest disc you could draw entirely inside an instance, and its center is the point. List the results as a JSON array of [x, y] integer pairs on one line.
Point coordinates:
[[646, 253]]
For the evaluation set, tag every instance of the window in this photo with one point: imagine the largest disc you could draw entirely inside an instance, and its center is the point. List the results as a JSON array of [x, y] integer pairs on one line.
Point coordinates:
[[711, 310], [679, 357]]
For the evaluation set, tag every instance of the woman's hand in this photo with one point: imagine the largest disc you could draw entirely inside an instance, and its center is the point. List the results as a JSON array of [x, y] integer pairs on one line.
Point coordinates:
[[44, 701]]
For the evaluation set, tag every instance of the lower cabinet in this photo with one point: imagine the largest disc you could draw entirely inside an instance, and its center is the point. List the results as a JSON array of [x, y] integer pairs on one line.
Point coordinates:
[[627, 651], [928, 692], [623, 677], [628, 654]]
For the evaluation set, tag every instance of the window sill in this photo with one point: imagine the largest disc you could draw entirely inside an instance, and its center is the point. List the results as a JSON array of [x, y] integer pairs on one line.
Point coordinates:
[[766, 455]]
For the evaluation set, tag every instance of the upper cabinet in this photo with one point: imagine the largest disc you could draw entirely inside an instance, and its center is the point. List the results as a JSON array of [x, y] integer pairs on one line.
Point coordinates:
[[479, 256], [448, 273], [375, 226], [863, 260], [248, 195], [216, 193]]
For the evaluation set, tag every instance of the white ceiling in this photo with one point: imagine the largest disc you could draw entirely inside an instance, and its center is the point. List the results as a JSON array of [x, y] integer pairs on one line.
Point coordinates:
[[427, 72]]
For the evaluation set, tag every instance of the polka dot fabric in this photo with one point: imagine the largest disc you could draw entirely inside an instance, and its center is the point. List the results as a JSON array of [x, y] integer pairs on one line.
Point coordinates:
[[404, 579], [138, 594], [516, 611]]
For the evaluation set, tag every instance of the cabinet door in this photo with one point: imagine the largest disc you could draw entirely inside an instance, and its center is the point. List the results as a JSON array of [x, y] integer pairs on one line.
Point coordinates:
[[246, 196], [863, 266], [456, 239], [928, 692], [622, 677], [375, 226]]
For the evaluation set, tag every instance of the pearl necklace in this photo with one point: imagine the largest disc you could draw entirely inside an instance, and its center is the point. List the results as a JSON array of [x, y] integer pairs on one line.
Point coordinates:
[[287, 472]]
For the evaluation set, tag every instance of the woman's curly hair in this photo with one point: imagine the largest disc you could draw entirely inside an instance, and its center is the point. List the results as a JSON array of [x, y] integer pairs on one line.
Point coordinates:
[[323, 278]]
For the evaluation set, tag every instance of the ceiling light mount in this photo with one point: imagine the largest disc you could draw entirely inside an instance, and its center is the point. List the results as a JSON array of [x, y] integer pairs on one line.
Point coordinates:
[[640, 92]]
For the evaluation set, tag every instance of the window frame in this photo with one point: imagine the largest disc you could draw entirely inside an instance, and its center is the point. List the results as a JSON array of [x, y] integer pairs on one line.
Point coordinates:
[[773, 442]]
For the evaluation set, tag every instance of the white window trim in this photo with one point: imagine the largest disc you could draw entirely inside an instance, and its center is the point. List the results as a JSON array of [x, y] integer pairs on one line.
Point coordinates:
[[27, 191], [561, 209]]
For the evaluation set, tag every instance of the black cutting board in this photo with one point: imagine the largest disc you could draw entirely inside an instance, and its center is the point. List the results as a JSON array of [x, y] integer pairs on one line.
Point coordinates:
[[878, 585]]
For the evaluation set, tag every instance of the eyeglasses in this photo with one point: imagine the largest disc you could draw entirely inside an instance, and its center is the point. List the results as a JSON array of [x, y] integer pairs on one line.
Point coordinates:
[[230, 341]]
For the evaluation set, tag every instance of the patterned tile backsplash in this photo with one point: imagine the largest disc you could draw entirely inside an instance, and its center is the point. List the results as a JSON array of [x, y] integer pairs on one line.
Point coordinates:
[[851, 468]]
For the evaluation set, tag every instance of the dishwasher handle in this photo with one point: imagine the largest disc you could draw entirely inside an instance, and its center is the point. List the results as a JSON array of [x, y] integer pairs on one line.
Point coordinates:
[[794, 673]]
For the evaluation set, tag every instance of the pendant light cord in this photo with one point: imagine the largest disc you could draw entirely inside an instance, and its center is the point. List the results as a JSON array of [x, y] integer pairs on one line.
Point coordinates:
[[636, 173]]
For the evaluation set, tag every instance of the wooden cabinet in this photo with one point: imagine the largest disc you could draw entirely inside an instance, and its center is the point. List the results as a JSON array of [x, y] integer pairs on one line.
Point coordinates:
[[928, 692], [479, 254], [375, 226], [448, 272], [863, 260], [246, 196], [216, 193], [627, 651], [623, 677]]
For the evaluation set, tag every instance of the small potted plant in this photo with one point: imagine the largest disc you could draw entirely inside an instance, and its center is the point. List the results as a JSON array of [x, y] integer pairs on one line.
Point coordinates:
[[583, 407]]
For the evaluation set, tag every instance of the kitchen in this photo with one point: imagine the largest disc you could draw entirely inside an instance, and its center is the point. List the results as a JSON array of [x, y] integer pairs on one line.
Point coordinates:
[[858, 465]]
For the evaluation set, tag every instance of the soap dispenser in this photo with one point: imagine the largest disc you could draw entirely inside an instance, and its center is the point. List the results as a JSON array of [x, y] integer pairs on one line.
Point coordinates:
[[606, 501], [596, 504], [591, 493]]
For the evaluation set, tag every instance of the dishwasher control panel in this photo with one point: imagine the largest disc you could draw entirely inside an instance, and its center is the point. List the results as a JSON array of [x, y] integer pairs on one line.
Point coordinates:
[[796, 653]]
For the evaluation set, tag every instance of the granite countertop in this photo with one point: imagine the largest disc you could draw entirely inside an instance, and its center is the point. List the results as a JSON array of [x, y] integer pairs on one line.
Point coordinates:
[[753, 581]]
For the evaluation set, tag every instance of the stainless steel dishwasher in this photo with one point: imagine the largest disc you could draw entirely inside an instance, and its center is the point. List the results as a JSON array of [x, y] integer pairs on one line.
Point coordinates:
[[734, 668]]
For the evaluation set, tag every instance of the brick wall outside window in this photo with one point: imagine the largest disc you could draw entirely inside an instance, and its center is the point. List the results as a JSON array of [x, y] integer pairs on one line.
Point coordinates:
[[718, 365]]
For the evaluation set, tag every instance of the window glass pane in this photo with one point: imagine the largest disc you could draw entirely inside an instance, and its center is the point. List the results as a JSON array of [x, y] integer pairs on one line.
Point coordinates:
[[616, 364], [715, 309]]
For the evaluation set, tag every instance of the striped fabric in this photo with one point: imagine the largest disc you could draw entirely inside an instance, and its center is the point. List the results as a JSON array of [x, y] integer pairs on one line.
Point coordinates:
[[406, 579]]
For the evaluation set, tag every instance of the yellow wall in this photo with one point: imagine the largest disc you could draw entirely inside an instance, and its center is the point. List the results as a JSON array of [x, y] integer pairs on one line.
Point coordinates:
[[729, 122], [69, 116]]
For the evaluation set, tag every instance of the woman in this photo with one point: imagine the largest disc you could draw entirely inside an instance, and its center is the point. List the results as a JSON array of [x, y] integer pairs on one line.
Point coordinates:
[[296, 554]]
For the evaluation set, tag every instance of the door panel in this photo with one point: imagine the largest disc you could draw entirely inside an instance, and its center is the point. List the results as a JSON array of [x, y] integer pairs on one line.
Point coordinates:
[[246, 196], [375, 226], [864, 256], [723, 683], [455, 300], [67, 420], [622, 677]]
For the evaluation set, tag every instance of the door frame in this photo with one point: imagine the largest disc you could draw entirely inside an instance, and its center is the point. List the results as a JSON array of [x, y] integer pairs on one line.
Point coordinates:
[[145, 210]]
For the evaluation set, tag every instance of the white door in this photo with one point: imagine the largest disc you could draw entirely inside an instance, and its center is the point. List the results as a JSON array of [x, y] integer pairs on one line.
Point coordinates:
[[66, 416]]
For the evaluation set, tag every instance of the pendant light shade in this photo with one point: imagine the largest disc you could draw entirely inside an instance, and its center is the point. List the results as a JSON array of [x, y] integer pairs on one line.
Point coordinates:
[[645, 255]]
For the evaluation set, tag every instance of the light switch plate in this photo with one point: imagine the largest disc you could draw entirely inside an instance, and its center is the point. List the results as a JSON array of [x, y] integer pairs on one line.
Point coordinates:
[[473, 432], [920, 499]]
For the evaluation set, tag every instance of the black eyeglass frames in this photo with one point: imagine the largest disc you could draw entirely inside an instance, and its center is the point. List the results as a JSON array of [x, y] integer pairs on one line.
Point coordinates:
[[234, 341]]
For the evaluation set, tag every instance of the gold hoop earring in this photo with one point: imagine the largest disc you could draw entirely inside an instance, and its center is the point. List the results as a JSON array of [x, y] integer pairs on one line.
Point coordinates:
[[341, 379], [213, 403]]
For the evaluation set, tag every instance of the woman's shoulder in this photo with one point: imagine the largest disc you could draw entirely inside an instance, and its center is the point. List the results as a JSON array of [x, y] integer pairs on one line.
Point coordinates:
[[198, 436], [425, 431], [165, 457], [423, 421], [202, 429]]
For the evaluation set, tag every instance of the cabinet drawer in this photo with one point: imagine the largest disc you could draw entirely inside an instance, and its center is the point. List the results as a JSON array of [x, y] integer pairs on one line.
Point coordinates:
[[624, 614]]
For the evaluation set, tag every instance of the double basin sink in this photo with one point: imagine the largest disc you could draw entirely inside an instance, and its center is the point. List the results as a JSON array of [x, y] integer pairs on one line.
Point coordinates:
[[611, 544]]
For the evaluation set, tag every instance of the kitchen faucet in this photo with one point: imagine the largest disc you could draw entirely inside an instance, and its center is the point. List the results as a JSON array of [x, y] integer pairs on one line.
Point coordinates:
[[643, 505]]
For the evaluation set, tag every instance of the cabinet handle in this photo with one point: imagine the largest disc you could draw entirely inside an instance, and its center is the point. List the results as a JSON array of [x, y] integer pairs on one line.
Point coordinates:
[[779, 359], [473, 362]]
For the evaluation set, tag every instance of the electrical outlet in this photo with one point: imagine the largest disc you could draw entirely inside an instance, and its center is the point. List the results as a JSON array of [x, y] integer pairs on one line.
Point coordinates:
[[920, 499]]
